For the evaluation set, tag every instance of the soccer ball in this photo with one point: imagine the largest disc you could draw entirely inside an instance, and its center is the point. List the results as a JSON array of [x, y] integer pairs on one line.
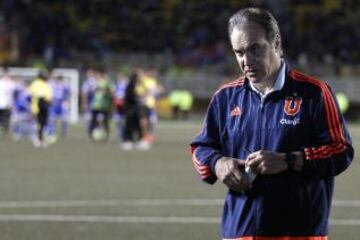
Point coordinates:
[[99, 134]]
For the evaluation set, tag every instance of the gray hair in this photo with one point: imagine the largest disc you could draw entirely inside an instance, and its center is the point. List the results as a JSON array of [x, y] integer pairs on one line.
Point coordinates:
[[258, 16]]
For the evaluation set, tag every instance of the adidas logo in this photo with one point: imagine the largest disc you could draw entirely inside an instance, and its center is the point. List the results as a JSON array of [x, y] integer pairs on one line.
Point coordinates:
[[236, 111]]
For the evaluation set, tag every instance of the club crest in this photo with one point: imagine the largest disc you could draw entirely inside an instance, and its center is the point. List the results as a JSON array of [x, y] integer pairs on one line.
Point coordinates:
[[292, 106]]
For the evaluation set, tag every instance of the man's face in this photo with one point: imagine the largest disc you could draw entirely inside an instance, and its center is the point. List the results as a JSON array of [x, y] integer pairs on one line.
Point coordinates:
[[257, 57]]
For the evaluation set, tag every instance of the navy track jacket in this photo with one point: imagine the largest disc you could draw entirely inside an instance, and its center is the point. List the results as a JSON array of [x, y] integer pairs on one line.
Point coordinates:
[[302, 116]]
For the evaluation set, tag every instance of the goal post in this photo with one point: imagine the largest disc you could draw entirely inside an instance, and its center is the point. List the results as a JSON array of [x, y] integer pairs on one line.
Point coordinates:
[[70, 75]]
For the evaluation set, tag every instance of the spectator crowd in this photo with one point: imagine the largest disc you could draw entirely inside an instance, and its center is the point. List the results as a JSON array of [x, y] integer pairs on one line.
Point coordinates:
[[323, 31]]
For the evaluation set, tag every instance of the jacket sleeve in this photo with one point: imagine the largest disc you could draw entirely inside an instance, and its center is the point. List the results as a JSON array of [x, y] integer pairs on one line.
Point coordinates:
[[333, 151], [206, 146]]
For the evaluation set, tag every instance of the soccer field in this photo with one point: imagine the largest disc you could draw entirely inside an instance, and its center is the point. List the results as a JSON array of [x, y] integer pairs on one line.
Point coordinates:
[[80, 190]]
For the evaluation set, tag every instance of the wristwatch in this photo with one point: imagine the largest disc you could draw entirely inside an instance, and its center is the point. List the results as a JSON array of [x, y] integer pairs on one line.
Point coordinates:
[[290, 160]]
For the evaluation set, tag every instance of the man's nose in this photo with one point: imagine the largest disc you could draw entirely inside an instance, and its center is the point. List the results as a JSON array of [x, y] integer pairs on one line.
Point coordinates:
[[248, 59]]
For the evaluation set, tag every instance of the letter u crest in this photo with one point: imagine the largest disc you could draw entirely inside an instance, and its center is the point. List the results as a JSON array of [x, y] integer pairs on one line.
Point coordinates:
[[292, 107]]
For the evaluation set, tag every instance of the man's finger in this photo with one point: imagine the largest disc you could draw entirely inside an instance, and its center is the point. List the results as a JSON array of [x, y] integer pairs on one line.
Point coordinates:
[[252, 155], [237, 174], [241, 163], [254, 163], [233, 184], [243, 183], [261, 168]]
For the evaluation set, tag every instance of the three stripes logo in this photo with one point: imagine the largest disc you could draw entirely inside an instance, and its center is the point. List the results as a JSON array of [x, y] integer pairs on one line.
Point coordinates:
[[235, 112]]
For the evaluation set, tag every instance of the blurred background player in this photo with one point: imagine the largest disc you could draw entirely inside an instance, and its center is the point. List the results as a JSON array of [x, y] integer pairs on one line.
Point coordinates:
[[7, 87], [119, 96], [101, 105], [22, 121], [174, 100], [87, 93], [149, 89], [59, 108], [41, 97], [181, 101], [343, 101], [132, 109]]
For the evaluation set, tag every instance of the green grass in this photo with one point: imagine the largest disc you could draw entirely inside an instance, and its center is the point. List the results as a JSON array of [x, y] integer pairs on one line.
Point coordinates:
[[76, 169]]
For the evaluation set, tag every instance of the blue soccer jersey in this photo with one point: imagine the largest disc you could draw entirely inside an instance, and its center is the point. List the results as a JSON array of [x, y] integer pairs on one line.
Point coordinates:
[[22, 100], [61, 96], [88, 91]]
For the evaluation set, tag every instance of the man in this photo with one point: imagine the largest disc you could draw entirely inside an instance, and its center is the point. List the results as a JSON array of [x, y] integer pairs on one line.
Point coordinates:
[[185, 104], [41, 97], [21, 117], [87, 94], [101, 105], [174, 100], [275, 138], [59, 108], [149, 89], [132, 110], [119, 95]]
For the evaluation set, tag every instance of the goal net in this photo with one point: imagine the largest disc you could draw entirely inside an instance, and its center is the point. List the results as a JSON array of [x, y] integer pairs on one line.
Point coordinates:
[[71, 76]]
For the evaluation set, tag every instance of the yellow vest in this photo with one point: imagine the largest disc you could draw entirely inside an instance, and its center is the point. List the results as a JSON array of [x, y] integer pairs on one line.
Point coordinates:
[[39, 88], [148, 89]]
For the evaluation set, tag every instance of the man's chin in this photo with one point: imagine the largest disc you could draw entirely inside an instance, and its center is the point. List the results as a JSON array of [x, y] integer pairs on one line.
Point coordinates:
[[253, 79]]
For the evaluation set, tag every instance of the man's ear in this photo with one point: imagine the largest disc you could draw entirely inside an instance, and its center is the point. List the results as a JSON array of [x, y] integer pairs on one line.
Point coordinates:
[[277, 45]]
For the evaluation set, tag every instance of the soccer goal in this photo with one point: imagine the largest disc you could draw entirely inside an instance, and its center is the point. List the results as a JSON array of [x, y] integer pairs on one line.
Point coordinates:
[[71, 76]]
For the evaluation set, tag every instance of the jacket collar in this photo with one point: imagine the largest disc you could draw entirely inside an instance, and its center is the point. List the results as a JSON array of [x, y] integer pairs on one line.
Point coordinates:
[[279, 83]]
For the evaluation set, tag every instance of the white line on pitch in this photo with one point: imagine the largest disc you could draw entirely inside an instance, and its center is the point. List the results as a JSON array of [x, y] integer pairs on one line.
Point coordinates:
[[137, 202], [345, 222], [134, 219], [346, 203], [105, 219], [105, 203]]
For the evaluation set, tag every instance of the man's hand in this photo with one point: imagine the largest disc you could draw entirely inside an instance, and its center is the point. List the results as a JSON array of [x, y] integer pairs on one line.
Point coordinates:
[[266, 162], [231, 172]]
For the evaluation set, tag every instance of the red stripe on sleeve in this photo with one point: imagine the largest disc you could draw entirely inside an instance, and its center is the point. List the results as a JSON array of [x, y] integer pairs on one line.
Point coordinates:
[[315, 153], [329, 105], [203, 170], [333, 121], [338, 125]]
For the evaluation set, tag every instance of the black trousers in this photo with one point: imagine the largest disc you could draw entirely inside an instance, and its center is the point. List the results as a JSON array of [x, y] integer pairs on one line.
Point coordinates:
[[42, 119], [132, 131], [5, 119]]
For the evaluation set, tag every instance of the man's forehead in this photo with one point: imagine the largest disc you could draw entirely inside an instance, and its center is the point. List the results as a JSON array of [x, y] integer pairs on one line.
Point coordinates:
[[247, 34]]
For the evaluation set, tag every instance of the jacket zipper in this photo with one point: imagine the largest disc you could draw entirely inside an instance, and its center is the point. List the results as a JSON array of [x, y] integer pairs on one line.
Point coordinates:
[[261, 112], [262, 100]]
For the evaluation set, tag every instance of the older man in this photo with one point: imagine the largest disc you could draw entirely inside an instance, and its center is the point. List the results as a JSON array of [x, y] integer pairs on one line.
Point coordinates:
[[275, 138]]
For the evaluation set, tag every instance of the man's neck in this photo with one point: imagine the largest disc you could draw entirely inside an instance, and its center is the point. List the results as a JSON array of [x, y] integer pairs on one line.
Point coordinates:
[[267, 85]]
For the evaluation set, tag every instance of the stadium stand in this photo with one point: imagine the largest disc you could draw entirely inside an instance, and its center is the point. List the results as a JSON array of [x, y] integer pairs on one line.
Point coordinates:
[[325, 31], [181, 38]]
